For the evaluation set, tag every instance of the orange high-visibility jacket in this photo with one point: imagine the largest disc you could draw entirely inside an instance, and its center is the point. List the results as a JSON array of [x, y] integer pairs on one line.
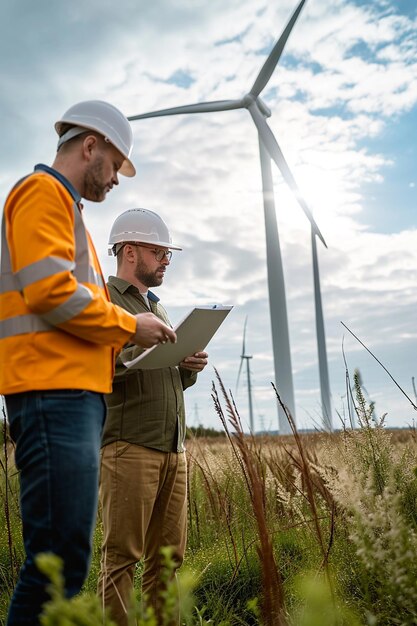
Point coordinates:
[[58, 328]]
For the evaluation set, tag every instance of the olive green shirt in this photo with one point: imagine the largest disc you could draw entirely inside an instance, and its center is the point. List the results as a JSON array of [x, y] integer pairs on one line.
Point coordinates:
[[146, 407]]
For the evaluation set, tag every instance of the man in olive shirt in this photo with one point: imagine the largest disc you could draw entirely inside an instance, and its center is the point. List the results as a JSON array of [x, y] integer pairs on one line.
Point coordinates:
[[143, 466]]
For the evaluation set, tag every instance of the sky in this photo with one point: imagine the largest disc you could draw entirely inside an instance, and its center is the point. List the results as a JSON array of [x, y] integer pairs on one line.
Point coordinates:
[[343, 100]]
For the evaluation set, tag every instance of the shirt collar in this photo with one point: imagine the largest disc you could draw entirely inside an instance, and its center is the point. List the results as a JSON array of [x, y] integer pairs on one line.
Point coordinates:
[[40, 167], [123, 285]]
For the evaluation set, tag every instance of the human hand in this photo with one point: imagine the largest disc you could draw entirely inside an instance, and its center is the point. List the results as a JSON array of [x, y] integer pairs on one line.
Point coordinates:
[[150, 330], [196, 362]]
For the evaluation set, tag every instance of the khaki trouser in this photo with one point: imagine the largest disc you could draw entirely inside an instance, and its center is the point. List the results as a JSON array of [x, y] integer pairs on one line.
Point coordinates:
[[143, 494]]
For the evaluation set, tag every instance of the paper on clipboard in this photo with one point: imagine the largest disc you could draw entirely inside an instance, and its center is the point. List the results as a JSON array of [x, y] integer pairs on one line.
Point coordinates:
[[193, 334]]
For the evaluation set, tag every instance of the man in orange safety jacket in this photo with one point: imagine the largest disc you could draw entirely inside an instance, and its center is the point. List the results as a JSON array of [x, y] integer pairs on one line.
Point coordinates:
[[58, 336]]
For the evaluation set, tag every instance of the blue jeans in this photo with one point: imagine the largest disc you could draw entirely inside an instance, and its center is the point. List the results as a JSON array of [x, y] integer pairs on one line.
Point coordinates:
[[57, 435]]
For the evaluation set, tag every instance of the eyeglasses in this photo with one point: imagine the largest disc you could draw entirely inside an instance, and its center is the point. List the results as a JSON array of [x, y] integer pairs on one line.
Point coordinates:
[[159, 253]]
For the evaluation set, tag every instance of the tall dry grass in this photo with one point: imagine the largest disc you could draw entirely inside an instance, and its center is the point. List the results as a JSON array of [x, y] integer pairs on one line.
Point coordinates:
[[302, 530], [311, 506], [11, 549]]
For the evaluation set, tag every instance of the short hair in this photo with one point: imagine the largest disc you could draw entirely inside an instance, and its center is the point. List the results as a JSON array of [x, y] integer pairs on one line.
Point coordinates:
[[64, 128], [119, 256]]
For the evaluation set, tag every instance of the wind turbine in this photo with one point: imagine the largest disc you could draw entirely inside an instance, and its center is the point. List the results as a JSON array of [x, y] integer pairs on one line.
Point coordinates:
[[269, 149], [246, 357]]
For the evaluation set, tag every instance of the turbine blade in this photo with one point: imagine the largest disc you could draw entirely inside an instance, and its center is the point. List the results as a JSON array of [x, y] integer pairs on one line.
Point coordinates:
[[200, 107], [238, 376], [275, 55], [275, 153]]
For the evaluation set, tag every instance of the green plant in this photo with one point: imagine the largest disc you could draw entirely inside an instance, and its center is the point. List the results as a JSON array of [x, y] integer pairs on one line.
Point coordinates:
[[86, 610], [377, 491], [318, 605], [83, 610]]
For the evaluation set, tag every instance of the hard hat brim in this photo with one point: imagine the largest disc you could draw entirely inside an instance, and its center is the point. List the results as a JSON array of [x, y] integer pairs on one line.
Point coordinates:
[[167, 245], [159, 244], [128, 169]]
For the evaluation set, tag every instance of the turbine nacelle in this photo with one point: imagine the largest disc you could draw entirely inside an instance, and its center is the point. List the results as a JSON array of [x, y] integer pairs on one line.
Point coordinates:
[[250, 101]]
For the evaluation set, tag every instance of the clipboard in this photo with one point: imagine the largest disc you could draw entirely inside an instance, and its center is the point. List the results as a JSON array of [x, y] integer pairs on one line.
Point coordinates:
[[194, 332]]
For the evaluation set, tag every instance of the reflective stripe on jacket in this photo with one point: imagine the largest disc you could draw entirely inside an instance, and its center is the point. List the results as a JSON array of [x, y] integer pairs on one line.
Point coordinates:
[[58, 328]]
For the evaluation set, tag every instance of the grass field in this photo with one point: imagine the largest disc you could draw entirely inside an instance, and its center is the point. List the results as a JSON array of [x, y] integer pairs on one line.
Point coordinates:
[[303, 530]]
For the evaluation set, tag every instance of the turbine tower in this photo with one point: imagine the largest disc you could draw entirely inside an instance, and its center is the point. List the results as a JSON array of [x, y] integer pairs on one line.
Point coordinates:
[[326, 407], [269, 149], [246, 357]]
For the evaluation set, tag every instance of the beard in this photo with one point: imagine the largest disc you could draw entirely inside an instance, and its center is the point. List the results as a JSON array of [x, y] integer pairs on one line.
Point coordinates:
[[94, 187], [147, 278]]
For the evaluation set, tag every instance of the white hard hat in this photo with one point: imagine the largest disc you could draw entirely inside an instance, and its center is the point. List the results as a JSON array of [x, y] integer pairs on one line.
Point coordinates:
[[105, 119], [141, 226]]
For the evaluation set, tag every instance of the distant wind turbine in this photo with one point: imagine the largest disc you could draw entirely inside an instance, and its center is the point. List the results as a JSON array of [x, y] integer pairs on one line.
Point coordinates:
[[246, 357], [269, 149]]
